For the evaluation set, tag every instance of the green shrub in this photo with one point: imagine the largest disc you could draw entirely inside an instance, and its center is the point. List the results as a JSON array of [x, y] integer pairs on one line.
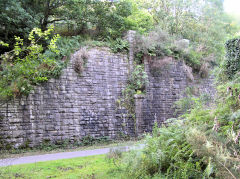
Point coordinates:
[[119, 45], [155, 43], [115, 155], [159, 43], [136, 84], [89, 140], [220, 151], [191, 100], [68, 45], [232, 60], [26, 66], [167, 154], [184, 150]]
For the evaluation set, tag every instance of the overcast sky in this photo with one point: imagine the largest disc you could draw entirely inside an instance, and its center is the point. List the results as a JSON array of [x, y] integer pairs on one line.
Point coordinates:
[[232, 6]]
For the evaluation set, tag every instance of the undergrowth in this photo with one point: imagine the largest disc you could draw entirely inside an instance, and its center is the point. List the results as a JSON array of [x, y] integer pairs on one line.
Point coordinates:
[[30, 64], [159, 43], [42, 57], [136, 84], [204, 142]]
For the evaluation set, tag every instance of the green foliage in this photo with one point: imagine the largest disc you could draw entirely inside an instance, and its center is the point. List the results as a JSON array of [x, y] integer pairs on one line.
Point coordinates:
[[204, 144], [232, 61], [221, 151], [115, 155], [138, 79], [202, 22], [28, 65], [191, 100], [140, 20], [167, 154], [154, 43], [136, 84], [183, 150], [102, 18], [119, 45], [68, 45], [160, 43], [94, 43], [192, 58], [47, 145], [15, 20], [216, 133], [98, 19]]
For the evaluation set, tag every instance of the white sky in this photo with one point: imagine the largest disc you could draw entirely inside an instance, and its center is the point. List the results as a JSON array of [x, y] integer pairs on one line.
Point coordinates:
[[232, 6]]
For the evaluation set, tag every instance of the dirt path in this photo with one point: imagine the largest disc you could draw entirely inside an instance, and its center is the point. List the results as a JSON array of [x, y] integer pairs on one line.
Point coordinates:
[[62, 155]]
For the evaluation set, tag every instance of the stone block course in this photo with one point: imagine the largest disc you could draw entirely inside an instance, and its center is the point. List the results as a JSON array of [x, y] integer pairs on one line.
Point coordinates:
[[77, 105], [72, 106]]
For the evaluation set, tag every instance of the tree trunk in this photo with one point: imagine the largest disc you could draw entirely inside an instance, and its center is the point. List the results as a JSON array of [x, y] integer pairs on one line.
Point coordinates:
[[44, 21]]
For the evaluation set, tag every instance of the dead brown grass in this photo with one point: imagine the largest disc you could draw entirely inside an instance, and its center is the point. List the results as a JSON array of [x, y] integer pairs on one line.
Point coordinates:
[[160, 63], [189, 72], [80, 59]]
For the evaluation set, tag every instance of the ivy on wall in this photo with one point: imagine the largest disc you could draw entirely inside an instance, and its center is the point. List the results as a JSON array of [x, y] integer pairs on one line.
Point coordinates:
[[232, 61], [136, 85]]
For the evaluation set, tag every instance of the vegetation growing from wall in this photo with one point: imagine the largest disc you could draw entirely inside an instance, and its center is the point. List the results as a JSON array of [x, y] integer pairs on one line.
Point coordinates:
[[203, 143], [136, 85], [204, 23], [206, 143], [231, 64], [28, 65], [80, 60], [159, 44], [107, 21]]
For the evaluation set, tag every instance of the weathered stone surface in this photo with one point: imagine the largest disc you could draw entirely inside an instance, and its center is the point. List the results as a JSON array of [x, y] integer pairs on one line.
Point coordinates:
[[165, 87], [75, 106]]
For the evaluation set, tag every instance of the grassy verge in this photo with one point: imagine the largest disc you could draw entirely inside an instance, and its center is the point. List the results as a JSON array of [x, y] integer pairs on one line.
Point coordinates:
[[85, 167], [29, 152]]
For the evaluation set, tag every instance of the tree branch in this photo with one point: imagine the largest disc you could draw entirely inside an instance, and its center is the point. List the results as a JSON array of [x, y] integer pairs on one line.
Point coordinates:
[[55, 20]]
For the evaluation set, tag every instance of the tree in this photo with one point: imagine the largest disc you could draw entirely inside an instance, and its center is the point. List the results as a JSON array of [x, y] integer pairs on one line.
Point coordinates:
[[15, 20], [18, 17], [106, 17], [203, 22]]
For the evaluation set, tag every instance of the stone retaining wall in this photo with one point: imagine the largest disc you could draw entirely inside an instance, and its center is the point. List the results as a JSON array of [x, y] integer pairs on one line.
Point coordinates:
[[75, 106], [72, 106], [167, 84]]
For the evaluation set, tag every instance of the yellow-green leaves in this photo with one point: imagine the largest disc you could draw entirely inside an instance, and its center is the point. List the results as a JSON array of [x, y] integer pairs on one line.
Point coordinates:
[[4, 44], [17, 46], [52, 46], [29, 63]]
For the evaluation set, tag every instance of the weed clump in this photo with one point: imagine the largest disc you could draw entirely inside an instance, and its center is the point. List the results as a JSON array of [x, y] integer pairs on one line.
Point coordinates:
[[80, 60]]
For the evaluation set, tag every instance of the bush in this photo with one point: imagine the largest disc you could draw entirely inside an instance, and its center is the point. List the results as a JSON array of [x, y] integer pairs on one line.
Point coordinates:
[[232, 61], [159, 43], [219, 150], [115, 155], [119, 45], [155, 43], [89, 140], [183, 150], [167, 154], [26, 66], [136, 84]]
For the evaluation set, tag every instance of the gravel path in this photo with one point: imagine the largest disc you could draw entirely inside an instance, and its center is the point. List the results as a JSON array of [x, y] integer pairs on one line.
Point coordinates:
[[62, 155]]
